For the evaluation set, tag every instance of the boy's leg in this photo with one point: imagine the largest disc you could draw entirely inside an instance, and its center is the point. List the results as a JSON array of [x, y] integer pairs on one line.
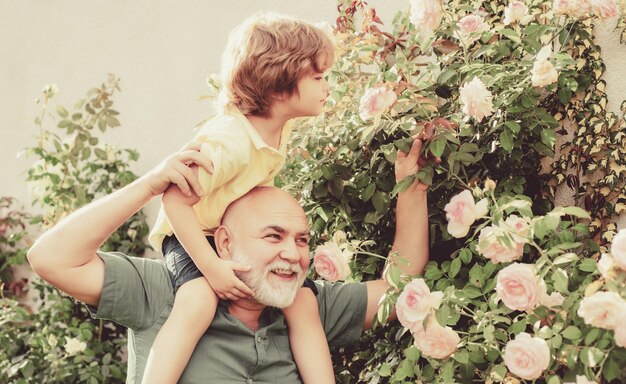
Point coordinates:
[[308, 340], [194, 308]]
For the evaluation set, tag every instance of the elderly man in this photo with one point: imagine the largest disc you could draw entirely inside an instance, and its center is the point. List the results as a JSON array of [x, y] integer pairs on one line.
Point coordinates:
[[267, 229]]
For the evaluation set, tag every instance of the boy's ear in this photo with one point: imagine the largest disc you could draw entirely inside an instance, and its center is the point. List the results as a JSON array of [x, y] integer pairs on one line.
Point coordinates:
[[223, 242]]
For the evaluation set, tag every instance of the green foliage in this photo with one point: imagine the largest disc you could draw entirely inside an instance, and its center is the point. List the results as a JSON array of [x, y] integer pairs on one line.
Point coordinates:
[[341, 167], [59, 342]]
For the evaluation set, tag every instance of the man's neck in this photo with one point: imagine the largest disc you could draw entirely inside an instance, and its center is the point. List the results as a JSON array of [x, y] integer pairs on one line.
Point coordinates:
[[269, 128], [247, 311]]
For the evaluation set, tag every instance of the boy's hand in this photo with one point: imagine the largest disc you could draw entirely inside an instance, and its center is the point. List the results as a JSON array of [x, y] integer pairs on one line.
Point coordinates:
[[175, 169], [225, 283]]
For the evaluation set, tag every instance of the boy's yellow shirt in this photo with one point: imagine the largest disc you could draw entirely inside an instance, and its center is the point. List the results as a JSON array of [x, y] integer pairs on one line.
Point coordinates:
[[241, 161]]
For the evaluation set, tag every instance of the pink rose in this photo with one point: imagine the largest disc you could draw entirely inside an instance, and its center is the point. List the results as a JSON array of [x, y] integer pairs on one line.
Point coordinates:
[[426, 14], [436, 341], [462, 211], [604, 9], [415, 303], [472, 23], [518, 227], [620, 335], [519, 287], [607, 266], [577, 9], [477, 99], [555, 299], [618, 249], [375, 102], [604, 310], [493, 248], [470, 27], [515, 12], [526, 356], [330, 263]]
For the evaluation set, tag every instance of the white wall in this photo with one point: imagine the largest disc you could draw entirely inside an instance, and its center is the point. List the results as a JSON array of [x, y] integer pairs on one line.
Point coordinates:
[[161, 49]]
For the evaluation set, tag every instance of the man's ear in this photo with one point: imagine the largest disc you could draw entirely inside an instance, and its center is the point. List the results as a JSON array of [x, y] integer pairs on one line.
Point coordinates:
[[223, 242]]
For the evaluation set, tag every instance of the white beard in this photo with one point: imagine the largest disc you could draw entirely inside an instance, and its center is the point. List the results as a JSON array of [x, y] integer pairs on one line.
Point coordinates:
[[272, 293]]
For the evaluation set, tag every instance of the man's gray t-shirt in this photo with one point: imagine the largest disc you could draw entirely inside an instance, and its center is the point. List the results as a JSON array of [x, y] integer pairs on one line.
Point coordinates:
[[138, 294]]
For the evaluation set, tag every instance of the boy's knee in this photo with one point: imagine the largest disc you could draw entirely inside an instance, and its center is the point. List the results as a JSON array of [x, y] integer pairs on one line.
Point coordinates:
[[196, 299]]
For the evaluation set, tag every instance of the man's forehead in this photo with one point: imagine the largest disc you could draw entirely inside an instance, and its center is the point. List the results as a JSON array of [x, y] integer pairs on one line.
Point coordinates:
[[268, 206]]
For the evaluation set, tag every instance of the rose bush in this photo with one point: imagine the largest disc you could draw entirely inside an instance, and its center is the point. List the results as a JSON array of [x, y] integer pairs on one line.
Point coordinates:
[[491, 86], [59, 342]]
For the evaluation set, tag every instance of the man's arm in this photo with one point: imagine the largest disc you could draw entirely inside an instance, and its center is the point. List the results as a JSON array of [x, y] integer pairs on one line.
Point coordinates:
[[411, 238], [65, 255]]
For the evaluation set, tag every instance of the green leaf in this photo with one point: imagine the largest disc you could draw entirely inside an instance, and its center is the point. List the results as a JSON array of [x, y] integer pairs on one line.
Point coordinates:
[[506, 140], [62, 111], [511, 34], [455, 267], [368, 192], [553, 380], [591, 356], [548, 137], [462, 356], [437, 147], [381, 201], [591, 336], [574, 211], [513, 126], [384, 370], [572, 333], [587, 265], [559, 277]]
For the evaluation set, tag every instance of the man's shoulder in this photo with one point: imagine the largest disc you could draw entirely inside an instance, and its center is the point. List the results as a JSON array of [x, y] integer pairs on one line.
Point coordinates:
[[135, 290]]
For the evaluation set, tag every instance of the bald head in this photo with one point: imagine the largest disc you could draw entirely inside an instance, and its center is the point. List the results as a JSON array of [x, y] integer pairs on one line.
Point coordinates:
[[260, 201]]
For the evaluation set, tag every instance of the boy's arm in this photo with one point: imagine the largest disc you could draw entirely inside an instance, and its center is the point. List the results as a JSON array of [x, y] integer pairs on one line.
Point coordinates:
[[65, 255], [182, 217], [411, 238]]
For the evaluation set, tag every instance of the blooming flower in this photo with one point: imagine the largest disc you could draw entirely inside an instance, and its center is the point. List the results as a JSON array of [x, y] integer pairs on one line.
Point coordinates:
[[515, 12], [462, 211], [603, 310], [607, 266], [470, 28], [491, 246], [577, 9], [618, 249], [604, 9], [330, 263], [476, 99], [74, 346], [620, 335], [527, 356], [426, 14], [415, 303], [519, 287], [436, 341], [543, 72], [555, 299], [375, 102]]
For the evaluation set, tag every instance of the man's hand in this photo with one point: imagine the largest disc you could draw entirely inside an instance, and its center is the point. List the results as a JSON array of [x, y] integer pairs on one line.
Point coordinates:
[[175, 169], [407, 164], [225, 283]]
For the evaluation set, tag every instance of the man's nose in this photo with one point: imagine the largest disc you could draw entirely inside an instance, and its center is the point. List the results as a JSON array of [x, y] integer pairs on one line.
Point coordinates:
[[290, 252]]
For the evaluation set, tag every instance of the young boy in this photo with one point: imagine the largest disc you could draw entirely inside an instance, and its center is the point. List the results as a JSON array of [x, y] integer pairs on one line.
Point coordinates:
[[272, 71]]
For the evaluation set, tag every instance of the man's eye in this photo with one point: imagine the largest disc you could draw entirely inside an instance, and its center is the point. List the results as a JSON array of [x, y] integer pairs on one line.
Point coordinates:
[[303, 241], [273, 236]]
